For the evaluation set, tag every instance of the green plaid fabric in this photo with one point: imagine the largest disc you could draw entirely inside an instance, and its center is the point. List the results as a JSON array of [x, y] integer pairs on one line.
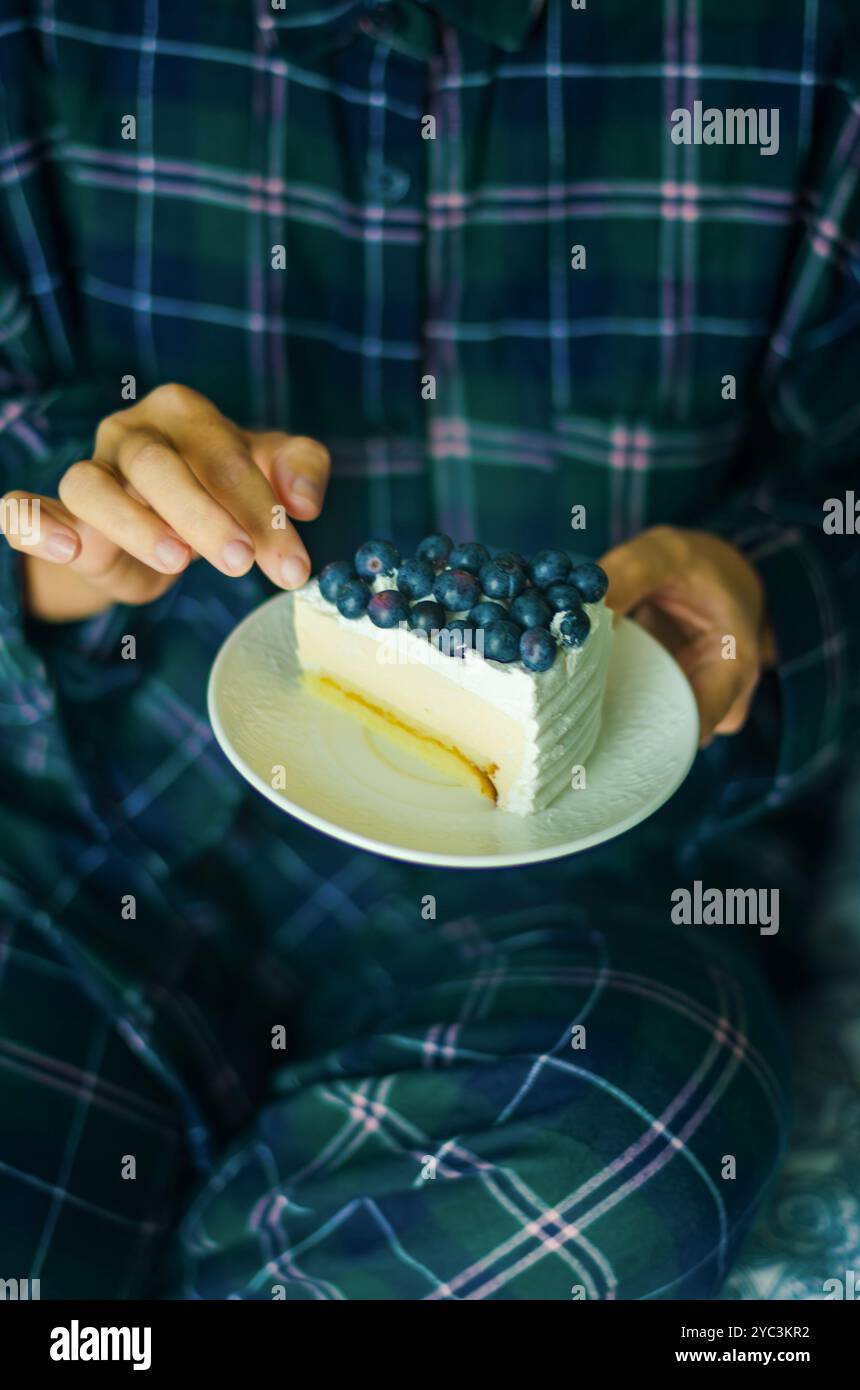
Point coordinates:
[[428, 170]]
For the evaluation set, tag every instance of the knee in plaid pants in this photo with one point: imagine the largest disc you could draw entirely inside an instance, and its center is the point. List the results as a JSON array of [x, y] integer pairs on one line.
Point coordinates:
[[463, 1148]]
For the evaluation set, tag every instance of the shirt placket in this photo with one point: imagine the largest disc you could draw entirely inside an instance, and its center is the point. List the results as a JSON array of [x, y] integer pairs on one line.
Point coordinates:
[[395, 363], [407, 376], [449, 442], [410, 31]]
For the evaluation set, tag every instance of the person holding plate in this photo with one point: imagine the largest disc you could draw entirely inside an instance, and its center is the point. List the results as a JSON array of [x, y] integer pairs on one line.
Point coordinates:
[[399, 268]]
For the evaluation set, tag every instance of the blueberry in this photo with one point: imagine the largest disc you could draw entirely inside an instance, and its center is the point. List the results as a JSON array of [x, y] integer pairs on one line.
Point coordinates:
[[549, 567], [376, 557], [457, 589], [562, 597], [468, 556], [353, 596], [487, 612], [531, 610], [502, 578], [415, 578], [574, 628], [537, 649], [502, 640], [436, 549], [333, 576], [514, 556], [590, 580], [388, 608], [425, 617], [457, 638]]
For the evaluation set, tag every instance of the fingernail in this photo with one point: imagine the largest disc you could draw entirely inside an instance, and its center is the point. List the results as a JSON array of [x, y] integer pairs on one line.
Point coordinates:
[[284, 476], [294, 571], [238, 556], [171, 554], [307, 489], [61, 545]]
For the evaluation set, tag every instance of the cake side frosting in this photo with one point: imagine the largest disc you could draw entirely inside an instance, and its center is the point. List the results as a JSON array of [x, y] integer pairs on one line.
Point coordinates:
[[567, 719]]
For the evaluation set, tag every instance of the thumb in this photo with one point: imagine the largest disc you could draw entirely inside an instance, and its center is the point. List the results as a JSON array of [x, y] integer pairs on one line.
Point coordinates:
[[296, 466], [639, 567], [718, 684], [39, 526]]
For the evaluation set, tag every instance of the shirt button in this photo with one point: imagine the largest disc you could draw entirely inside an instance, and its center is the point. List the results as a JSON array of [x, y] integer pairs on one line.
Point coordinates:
[[387, 184], [381, 21]]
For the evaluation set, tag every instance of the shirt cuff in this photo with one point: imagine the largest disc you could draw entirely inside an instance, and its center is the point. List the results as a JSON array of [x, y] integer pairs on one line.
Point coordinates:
[[800, 719], [41, 434]]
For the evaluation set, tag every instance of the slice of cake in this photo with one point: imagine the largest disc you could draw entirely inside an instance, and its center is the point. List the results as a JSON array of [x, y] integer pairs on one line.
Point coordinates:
[[490, 668]]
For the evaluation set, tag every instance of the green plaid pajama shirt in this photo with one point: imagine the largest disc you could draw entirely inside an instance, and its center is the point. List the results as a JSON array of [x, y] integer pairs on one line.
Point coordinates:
[[428, 1131]]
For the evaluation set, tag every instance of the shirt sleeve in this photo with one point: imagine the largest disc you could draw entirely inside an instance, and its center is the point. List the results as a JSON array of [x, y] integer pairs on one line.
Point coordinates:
[[798, 516], [49, 410]]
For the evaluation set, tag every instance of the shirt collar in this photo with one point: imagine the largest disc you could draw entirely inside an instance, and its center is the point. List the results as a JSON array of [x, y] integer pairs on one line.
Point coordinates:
[[503, 23], [305, 25]]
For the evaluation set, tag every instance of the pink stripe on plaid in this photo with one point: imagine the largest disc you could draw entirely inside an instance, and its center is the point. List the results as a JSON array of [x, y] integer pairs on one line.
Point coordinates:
[[54, 1074], [254, 203], [271, 185], [621, 188]]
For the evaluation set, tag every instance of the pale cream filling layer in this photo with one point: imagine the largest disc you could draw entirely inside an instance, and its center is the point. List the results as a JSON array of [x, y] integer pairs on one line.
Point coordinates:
[[424, 698]]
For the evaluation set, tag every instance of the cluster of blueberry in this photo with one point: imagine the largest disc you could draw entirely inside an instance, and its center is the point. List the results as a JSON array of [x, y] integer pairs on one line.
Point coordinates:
[[511, 600]]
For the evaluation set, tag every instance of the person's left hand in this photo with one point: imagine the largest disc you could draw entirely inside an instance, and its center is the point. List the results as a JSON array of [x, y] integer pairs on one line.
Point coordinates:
[[692, 590]]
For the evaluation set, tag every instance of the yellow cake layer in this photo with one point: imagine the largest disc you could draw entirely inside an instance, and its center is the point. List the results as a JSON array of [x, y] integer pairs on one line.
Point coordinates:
[[442, 756]]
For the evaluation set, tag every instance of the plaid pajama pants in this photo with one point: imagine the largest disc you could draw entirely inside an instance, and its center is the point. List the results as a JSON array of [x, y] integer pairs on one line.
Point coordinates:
[[558, 1095]]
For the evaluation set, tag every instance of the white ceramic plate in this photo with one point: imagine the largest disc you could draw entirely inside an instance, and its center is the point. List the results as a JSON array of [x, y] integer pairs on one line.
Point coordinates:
[[356, 786]]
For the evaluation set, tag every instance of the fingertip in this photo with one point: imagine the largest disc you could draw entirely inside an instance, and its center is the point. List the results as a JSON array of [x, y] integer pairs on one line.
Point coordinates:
[[301, 492], [29, 525], [310, 451], [709, 717], [172, 555], [62, 546], [294, 571], [306, 497], [238, 557]]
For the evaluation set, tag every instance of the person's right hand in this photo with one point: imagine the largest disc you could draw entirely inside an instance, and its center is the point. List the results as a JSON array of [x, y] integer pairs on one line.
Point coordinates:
[[171, 478]]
